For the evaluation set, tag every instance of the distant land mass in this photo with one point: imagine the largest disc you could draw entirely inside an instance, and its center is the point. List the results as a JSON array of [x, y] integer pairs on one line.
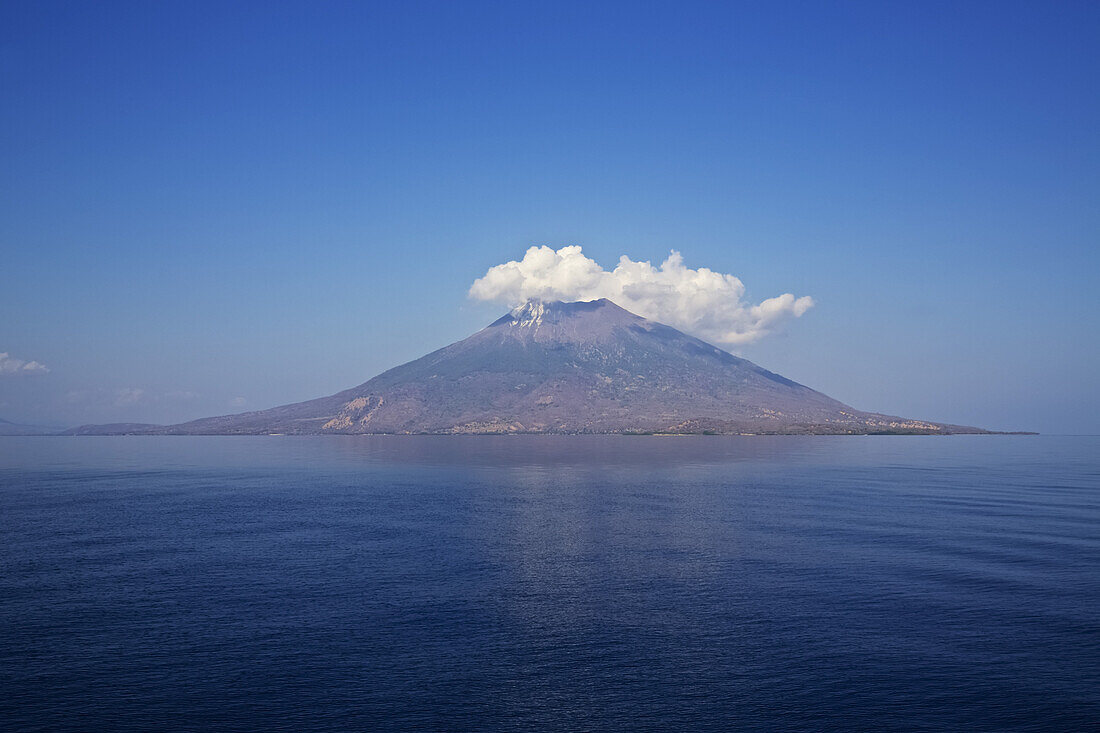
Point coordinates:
[[553, 367]]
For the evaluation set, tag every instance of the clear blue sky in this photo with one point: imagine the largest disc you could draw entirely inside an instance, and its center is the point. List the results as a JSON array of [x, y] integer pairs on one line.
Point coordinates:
[[273, 201]]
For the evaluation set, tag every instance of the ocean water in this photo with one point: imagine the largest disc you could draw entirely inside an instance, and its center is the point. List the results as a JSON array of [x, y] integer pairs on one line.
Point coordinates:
[[550, 583]]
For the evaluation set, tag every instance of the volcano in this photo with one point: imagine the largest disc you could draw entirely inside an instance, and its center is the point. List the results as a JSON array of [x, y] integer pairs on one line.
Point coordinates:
[[585, 367]]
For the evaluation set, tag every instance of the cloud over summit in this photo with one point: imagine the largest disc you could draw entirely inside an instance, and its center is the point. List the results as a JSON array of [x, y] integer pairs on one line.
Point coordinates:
[[700, 301]]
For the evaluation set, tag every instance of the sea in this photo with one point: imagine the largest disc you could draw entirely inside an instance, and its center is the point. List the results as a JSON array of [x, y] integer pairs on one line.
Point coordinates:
[[550, 583]]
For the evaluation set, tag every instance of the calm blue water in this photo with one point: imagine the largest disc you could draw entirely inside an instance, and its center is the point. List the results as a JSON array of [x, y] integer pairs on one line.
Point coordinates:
[[519, 583]]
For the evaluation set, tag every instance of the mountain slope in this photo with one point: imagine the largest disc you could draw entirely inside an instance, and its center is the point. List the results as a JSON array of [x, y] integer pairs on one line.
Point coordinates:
[[569, 368]]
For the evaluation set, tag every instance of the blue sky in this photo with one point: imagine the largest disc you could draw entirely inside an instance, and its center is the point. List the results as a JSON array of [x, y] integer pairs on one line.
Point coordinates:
[[210, 207]]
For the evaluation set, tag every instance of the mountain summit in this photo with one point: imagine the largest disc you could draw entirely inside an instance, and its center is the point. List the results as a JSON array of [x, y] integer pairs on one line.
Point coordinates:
[[585, 367]]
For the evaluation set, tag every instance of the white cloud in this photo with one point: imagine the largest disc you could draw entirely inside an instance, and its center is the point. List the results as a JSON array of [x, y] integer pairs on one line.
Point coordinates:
[[131, 396], [181, 395], [12, 367], [238, 402], [708, 304], [128, 397]]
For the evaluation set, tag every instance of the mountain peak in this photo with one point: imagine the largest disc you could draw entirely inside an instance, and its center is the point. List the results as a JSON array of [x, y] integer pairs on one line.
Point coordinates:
[[536, 313], [530, 313], [560, 307], [580, 367]]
